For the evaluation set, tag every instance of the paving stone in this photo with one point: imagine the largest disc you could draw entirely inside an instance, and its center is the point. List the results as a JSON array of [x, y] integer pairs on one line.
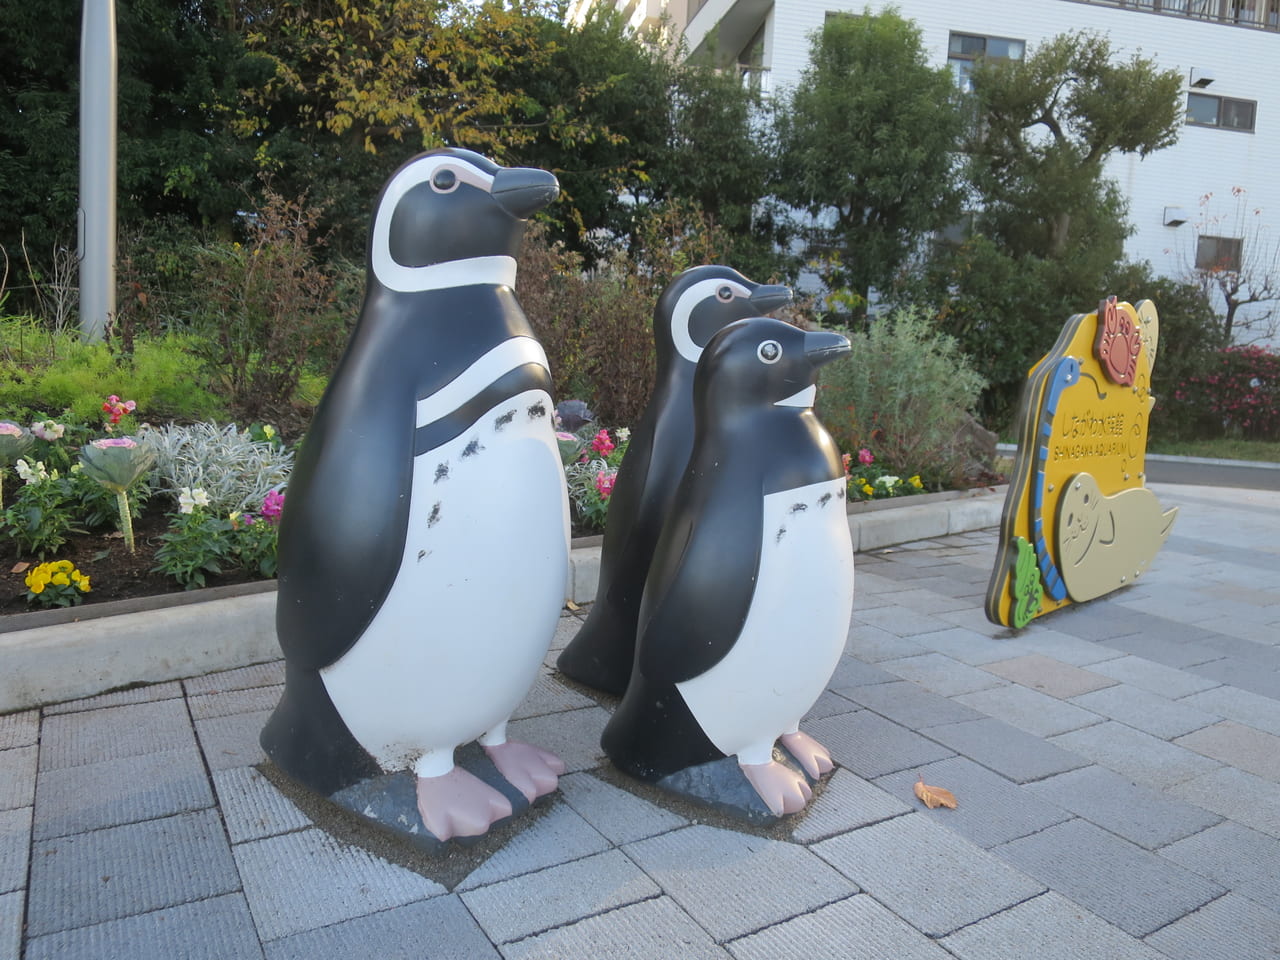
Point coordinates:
[[232, 741], [900, 620], [845, 803], [1005, 749], [871, 644], [1037, 713], [990, 809], [1139, 756], [73, 739], [971, 647], [1053, 677], [305, 880], [872, 746], [127, 790], [1230, 927], [1239, 746], [17, 777], [830, 705], [863, 929], [1254, 710], [15, 845], [1156, 677], [11, 906], [573, 736], [974, 619], [1163, 649], [1239, 673], [925, 600], [566, 629], [1136, 890], [742, 882], [1263, 633], [216, 929], [1148, 818], [549, 695], [1241, 859], [520, 907], [934, 879], [230, 702], [253, 808], [851, 672], [440, 928], [941, 674], [21, 729], [1065, 648], [620, 816], [1237, 795], [152, 691], [1048, 927], [558, 836], [652, 930], [258, 675], [1146, 711], [1101, 622], [131, 869], [911, 705]]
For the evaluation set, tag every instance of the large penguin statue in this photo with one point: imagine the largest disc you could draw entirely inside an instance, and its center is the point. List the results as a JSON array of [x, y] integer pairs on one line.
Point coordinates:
[[693, 307], [424, 543], [746, 608]]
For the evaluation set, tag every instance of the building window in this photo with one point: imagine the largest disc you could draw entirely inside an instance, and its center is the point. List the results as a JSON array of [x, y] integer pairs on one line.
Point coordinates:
[[1218, 253], [965, 48], [1207, 111]]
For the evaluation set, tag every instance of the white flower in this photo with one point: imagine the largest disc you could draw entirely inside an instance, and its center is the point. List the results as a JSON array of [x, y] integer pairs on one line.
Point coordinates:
[[888, 482], [623, 434], [32, 474], [188, 499]]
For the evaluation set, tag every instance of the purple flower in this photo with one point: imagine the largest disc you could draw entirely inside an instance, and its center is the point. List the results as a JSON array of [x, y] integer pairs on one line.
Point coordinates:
[[115, 442], [272, 505]]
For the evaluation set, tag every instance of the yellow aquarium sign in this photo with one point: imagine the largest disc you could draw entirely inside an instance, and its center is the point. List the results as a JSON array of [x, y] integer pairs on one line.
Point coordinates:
[[1078, 521]]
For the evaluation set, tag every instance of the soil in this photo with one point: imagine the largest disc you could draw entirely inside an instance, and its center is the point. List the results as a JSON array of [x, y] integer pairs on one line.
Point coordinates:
[[114, 573]]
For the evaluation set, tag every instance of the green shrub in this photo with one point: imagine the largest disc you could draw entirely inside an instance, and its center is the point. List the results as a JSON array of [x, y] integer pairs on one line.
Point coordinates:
[[1240, 392], [906, 394], [233, 469]]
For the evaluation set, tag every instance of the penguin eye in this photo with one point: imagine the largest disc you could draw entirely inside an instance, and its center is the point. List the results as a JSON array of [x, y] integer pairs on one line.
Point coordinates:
[[724, 294], [444, 180], [770, 351]]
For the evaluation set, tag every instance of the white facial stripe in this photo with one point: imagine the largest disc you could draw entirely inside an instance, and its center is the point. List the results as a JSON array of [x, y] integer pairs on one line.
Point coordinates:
[[452, 273], [702, 290], [804, 398], [505, 357]]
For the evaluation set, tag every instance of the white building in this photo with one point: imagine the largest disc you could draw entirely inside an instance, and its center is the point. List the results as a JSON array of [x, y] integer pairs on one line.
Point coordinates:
[[1214, 196]]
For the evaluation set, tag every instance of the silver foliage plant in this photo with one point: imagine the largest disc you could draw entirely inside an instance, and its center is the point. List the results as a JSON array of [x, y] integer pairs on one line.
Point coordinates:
[[235, 470]]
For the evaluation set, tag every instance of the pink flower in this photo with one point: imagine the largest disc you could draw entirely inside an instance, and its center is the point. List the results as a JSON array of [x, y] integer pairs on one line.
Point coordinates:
[[844, 462], [604, 482], [272, 504], [10, 429], [601, 444], [865, 457], [115, 442]]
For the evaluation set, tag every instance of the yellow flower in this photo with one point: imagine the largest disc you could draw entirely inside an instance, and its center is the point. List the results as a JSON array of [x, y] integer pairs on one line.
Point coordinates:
[[915, 482], [37, 587], [60, 579], [83, 584], [868, 489]]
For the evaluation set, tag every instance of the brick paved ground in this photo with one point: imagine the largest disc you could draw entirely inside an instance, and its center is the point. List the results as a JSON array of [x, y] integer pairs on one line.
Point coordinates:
[[1116, 766]]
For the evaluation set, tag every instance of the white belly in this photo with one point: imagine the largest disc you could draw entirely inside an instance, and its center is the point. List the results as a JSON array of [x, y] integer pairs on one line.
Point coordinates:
[[795, 630], [458, 641]]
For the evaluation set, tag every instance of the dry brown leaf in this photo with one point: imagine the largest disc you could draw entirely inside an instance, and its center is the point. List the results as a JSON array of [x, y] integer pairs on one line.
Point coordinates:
[[571, 605], [19, 567], [934, 797]]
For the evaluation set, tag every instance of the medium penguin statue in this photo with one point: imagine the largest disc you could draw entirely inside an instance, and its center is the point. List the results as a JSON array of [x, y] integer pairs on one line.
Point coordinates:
[[693, 307], [747, 604], [424, 544]]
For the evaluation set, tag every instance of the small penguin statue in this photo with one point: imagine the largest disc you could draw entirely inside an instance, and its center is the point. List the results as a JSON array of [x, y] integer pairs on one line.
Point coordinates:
[[747, 604], [419, 584], [693, 307]]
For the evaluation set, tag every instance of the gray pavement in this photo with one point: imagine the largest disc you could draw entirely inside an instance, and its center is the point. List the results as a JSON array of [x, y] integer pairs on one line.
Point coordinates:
[[1116, 766]]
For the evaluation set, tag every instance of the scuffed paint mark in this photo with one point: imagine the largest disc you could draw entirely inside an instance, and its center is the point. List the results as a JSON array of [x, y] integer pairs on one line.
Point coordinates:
[[423, 554], [782, 532], [841, 493], [799, 507], [472, 448], [434, 517], [442, 471], [824, 500], [503, 420], [536, 410]]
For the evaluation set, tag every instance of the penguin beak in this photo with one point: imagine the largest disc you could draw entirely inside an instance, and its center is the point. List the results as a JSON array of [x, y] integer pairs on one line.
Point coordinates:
[[523, 191], [822, 346], [767, 298]]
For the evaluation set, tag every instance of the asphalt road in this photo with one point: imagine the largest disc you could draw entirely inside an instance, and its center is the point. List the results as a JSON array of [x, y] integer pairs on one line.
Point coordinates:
[[1215, 473]]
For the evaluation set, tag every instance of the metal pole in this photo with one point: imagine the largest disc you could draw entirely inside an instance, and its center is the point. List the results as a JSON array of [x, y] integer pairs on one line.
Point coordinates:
[[96, 248]]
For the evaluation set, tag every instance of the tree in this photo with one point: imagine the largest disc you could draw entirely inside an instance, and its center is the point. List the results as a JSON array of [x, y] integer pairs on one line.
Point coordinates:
[[866, 146], [1048, 225], [1243, 276]]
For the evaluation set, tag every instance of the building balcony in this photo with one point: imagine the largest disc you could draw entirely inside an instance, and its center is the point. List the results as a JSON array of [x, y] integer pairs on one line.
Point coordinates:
[[1255, 14]]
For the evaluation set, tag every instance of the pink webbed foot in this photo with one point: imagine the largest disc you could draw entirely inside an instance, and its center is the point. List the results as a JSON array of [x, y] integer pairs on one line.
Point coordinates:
[[782, 789], [809, 753], [459, 804], [531, 770]]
